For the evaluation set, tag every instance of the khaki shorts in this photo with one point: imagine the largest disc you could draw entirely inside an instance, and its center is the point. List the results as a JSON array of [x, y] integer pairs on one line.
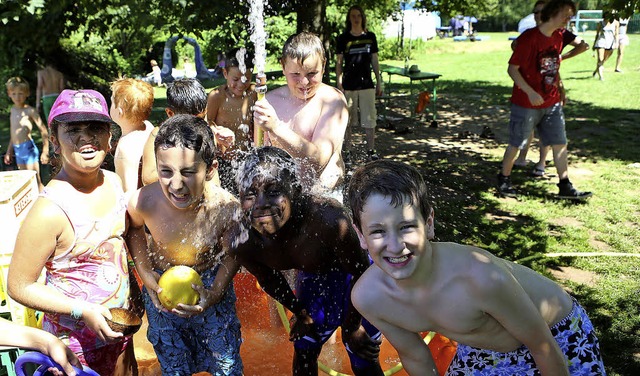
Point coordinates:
[[363, 103]]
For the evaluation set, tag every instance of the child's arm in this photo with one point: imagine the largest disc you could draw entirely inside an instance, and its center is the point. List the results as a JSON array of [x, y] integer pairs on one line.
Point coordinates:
[[44, 156], [149, 168], [225, 138], [355, 261], [36, 243], [137, 243], [31, 338], [414, 353], [514, 72], [8, 155], [39, 90]]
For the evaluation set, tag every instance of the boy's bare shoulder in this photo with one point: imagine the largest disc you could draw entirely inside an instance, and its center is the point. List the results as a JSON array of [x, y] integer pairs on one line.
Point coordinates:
[[366, 296], [147, 197], [330, 92], [220, 201], [217, 92]]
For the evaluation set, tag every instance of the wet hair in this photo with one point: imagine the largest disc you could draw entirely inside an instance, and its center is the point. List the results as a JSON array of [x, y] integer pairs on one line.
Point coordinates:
[[348, 21], [299, 47], [17, 83], [134, 97], [553, 7], [231, 59], [392, 179], [270, 161], [187, 132], [186, 96]]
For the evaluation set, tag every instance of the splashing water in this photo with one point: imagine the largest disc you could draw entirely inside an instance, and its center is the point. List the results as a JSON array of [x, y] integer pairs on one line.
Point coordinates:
[[258, 35], [242, 66]]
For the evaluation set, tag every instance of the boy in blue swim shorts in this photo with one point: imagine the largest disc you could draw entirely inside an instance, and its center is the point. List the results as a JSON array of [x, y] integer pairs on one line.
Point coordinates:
[[22, 119], [191, 222], [506, 318], [292, 229]]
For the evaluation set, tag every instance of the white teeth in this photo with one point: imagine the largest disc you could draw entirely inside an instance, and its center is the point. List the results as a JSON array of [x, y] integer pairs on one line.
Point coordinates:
[[397, 260]]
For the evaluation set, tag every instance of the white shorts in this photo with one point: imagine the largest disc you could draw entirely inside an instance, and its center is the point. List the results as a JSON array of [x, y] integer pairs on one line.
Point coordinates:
[[362, 103]]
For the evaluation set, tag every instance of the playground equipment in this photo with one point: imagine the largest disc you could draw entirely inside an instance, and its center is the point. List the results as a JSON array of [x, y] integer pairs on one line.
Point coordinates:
[[202, 73]]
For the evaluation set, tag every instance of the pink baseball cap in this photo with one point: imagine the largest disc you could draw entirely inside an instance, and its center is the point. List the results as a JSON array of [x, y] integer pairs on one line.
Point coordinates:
[[74, 106]]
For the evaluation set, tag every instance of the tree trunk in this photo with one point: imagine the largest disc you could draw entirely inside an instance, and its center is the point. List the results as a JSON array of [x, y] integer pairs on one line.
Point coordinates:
[[312, 17]]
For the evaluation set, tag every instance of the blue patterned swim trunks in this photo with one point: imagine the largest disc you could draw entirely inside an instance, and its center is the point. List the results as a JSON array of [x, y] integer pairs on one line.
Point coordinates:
[[574, 334], [208, 342]]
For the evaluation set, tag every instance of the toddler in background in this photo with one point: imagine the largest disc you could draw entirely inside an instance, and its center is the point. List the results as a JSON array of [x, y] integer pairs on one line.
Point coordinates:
[[131, 105], [22, 119]]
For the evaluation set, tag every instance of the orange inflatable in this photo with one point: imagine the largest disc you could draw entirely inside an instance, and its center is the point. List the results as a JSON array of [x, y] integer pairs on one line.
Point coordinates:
[[266, 349]]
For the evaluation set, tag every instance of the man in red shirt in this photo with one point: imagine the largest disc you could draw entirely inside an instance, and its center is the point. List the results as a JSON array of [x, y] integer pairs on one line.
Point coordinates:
[[536, 98]]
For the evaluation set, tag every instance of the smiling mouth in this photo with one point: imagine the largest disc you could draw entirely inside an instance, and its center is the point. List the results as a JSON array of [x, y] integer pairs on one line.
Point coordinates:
[[399, 260], [88, 151]]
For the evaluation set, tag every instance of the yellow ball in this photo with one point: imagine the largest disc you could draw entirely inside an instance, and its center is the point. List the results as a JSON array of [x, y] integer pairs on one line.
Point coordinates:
[[176, 287]]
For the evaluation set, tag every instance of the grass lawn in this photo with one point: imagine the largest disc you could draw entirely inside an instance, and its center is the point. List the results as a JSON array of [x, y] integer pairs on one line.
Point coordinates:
[[603, 127], [552, 237]]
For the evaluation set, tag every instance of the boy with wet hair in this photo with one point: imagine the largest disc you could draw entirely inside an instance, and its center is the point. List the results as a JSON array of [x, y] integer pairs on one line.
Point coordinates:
[[307, 118], [184, 96], [191, 223], [506, 318], [131, 105], [291, 229], [230, 106], [22, 118]]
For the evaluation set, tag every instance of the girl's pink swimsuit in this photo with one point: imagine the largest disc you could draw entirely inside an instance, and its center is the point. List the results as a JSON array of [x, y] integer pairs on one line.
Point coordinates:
[[94, 269]]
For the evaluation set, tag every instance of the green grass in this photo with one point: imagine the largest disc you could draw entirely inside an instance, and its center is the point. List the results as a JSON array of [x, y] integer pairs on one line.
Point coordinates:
[[603, 128]]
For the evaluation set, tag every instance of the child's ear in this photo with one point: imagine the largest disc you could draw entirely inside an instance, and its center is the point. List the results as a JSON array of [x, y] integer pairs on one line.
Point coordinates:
[[430, 224], [212, 170], [54, 141], [363, 243]]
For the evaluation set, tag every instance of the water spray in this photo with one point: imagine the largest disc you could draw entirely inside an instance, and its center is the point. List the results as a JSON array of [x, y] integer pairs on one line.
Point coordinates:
[[261, 90]]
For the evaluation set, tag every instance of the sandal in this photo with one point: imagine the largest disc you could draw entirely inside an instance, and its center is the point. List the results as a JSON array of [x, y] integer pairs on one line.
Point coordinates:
[[538, 171]]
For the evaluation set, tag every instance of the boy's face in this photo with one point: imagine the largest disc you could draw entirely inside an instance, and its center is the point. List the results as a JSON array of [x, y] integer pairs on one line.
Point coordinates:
[[182, 174], [18, 95], [267, 203], [237, 82], [82, 146], [561, 19], [395, 236], [303, 79]]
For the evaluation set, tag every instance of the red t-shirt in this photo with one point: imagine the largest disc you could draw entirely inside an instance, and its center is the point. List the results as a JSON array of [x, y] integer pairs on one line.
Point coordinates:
[[538, 59]]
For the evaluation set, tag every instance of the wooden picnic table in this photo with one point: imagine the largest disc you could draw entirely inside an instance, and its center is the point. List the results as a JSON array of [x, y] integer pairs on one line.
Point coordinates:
[[414, 76]]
